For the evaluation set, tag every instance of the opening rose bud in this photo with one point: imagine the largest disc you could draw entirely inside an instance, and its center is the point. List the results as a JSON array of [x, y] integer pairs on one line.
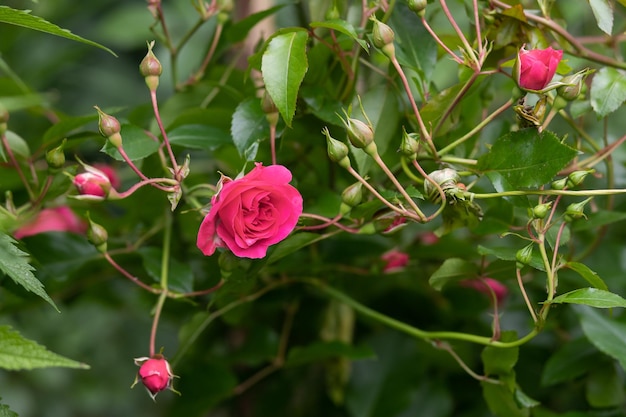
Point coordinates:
[[155, 374], [535, 68], [395, 261], [93, 183]]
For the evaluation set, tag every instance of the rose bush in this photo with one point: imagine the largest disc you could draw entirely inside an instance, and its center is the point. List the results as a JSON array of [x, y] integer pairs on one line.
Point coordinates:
[[251, 213], [536, 67]]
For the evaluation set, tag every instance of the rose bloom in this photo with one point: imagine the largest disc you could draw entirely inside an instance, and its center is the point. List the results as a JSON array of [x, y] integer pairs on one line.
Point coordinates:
[[56, 219], [251, 213], [487, 286], [395, 261], [535, 68]]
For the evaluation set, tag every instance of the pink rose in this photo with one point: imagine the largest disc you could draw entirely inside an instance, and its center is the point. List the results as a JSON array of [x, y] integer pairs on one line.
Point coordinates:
[[155, 374], [395, 261], [251, 213], [488, 286], [535, 68], [57, 219]]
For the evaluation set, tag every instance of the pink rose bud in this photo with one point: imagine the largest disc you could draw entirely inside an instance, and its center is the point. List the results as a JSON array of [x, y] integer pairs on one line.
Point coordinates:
[[488, 286], [111, 174], [155, 374], [93, 183], [251, 213], [57, 219], [534, 69], [395, 261]]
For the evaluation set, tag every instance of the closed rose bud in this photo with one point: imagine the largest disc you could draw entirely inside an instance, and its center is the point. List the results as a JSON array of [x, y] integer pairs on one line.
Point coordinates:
[[540, 211], [55, 157], [418, 6], [382, 34], [109, 127], [559, 184], [409, 145], [352, 195], [360, 133], [573, 84], [155, 374], [97, 235], [151, 68], [535, 68], [576, 210], [337, 151], [577, 177], [524, 255]]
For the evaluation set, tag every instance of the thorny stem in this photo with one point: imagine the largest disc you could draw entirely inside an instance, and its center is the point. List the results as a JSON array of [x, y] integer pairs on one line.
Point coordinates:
[[157, 115]]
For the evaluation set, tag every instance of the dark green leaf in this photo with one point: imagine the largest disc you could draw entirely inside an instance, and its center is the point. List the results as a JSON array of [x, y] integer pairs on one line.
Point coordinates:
[[571, 361], [248, 127], [180, 277], [590, 276], [64, 127], [318, 351], [499, 361], [23, 18], [608, 90], [238, 31], [284, 65], [525, 159], [5, 411], [603, 12], [136, 143], [597, 219], [508, 254], [23, 101], [592, 297], [605, 386], [501, 401], [609, 336], [293, 243], [18, 353], [452, 270], [14, 263], [199, 137], [344, 27]]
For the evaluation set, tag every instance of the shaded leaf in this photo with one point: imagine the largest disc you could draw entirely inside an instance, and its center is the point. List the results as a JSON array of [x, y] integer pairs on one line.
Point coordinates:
[[283, 66], [525, 159], [452, 270], [605, 386], [318, 351], [608, 90], [499, 361], [501, 401], [603, 12], [609, 336], [14, 263], [571, 361], [248, 127], [136, 143], [238, 31], [19, 353], [293, 243], [590, 276], [341, 26], [508, 254], [593, 297], [5, 411], [23, 18], [180, 276], [199, 136], [61, 129]]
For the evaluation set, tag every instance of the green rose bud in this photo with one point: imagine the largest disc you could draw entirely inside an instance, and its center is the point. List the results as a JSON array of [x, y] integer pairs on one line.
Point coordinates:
[[382, 34], [540, 211], [418, 6], [337, 151], [524, 256], [576, 210], [109, 127], [447, 179], [55, 157], [151, 68], [351, 197], [573, 85], [409, 145], [360, 133], [97, 235], [559, 184], [577, 177]]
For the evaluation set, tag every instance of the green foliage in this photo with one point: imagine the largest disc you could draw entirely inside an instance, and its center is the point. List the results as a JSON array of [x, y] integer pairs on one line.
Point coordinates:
[[18, 353], [14, 264]]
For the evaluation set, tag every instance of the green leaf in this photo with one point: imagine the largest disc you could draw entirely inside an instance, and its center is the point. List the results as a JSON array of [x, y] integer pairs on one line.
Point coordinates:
[[592, 297], [61, 129], [23, 18], [452, 270], [571, 361], [499, 361], [238, 31], [293, 243], [603, 12], [198, 136], [609, 336], [284, 65], [248, 127], [180, 276], [344, 27], [597, 219], [18, 353], [14, 263], [23, 101], [590, 276], [17, 144], [501, 401], [525, 159], [608, 90], [318, 351], [136, 143], [508, 254], [605, 386], [5, 411]]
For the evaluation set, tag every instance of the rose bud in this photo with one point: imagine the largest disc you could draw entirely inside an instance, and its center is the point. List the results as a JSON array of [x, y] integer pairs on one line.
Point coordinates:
[[251, 213], [93, 183], [155, 374], [382, 37], [535, 68], [395, 261], [488, 286], [151, 68], [55, 158], [337, 150]]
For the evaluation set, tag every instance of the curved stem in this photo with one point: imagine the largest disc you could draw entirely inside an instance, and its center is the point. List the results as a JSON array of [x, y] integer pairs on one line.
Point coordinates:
[[157, 115]]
